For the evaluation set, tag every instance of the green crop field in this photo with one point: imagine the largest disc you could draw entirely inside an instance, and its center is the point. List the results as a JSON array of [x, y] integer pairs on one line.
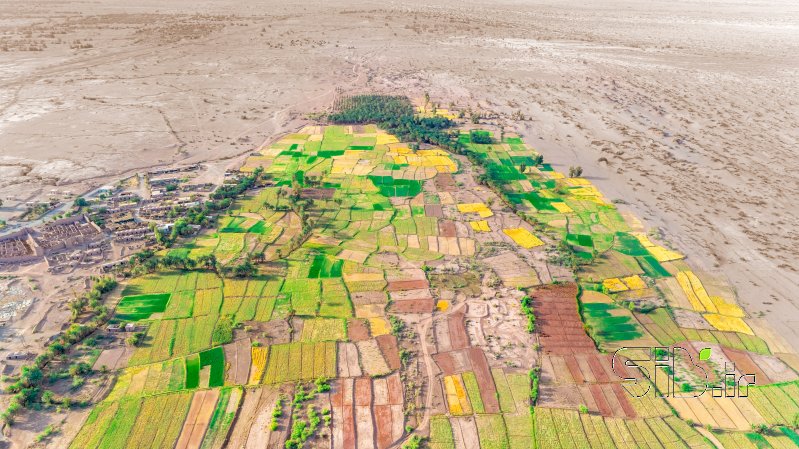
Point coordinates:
[[441, 433], [141, 307], [607, 326], [215, 359]]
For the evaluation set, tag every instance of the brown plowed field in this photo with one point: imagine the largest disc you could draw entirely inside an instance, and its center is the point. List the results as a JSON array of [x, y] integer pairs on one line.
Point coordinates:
[[413, 284], [599, 398], [444, 182], [367, 412], [395, 396], [357, 330], [433, 210], [341, 399], [457, 331], [445, 363], [624, 400], [388, 346], [446, 228], [453, 362], [383, 425], [745, 364], [413, 306], [558, 320], [572, 357], [363, 391], [488, 391]]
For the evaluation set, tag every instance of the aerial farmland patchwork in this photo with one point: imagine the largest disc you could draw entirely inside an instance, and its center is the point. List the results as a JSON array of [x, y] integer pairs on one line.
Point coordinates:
[[369, 292]]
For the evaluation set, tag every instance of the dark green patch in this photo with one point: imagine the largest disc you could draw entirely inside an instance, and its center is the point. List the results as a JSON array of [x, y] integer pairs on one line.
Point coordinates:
[[215, 358], [192, 371], [608, 327], [790, 433], [140, 307], [259, 228], [325, 267], [652, 267], [758, 440], [391, 187]]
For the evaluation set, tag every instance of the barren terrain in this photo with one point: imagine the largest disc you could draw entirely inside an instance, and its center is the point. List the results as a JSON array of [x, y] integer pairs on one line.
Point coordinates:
[[686, 110]]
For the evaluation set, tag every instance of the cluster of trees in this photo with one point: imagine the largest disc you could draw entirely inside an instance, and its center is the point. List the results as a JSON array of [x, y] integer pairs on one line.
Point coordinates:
[[534, 386], [302, 429], [180, 228], [527, 308], [26, 388], [231, 191], [147, 262], [395, 114], [480, 137]]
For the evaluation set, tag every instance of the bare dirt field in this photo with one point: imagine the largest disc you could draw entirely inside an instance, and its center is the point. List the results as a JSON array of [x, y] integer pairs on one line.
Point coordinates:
[[688, 111]]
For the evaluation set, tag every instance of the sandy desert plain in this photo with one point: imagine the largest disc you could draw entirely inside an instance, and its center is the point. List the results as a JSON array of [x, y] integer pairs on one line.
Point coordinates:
[[684, 114]]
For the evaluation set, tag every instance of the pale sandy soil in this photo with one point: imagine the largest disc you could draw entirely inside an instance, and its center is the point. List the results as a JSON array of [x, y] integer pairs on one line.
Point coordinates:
[[687, 110]]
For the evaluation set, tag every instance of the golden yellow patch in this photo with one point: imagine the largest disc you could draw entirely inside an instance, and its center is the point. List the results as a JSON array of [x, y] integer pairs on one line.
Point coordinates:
[[523, 237], [660, 253], [614, 285], [561, 207], [379, 326], [480, 226], [634, 282], [475, 208], [456, 395], [728, 323]]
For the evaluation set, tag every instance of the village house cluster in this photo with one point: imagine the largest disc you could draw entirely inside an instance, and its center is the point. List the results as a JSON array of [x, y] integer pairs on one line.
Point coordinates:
[[110, 223]]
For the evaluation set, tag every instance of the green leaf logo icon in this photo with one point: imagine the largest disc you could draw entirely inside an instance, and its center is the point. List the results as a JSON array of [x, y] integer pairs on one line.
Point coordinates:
[[704, 354]]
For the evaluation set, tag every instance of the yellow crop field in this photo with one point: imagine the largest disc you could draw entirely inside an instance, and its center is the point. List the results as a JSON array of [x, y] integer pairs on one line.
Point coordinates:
[[587, 193], [556, 175], [456, 395], [695, 292], [437, 159], [258, 364], [614, 285], [523, 237], [363, 277], [475, 208], [728, 323], [561, 207], [383, 138], [726, 308], [634, 282], [574, 182], [480, 226], [379, 326], [660, 253]]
